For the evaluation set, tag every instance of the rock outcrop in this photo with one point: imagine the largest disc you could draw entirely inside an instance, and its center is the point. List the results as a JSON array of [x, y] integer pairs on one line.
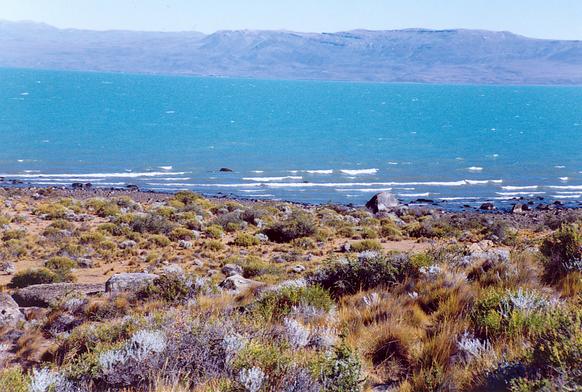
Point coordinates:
[[382, 201], [129, 282], [43, 295]]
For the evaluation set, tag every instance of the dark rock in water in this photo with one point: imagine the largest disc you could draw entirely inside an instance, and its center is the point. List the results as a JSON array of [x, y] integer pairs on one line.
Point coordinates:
[[544, 207], [519, 208], [424, 201], [382, 201], [132, 187], [16, 182], [487, 207], [225, 170], [44, 295], [558, 203], [80, 185]]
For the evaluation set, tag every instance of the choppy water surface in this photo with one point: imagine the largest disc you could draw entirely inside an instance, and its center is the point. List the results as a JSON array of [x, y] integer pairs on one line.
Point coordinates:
[[301, 141]]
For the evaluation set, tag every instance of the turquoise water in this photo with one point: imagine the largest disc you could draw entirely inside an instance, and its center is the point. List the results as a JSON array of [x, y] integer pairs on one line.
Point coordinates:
[[293, 140]]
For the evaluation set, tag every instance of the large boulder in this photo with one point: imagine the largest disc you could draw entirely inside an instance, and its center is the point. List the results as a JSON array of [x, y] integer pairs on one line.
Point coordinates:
[[238, 283], [127, 281], [10, 313], [44, 295], [382, 201], [232, 269]]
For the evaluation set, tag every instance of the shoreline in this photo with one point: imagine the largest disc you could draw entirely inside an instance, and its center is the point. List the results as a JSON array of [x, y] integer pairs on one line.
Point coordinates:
[[531, 205]]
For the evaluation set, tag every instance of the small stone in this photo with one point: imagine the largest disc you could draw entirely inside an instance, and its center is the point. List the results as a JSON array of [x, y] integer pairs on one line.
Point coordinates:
[[232, 269], [185, 244], [10, 314], [298, 269], [128, 244], [85, 263], [238, 283], [7, 267], [262, 237]]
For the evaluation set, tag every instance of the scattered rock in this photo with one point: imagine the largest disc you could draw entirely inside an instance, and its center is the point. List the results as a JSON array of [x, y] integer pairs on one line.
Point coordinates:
[[211, 272], [44, 295], [238, 283], [173, 269], [185, 244], [196, 234], [7, 267], [80, 185], [519, 208], [346, 247], [128, 244], [298, 269], [232, 269], [132, 187], [487, 207], [198, 263], [129, 281], [262, 237], [85, 263], [382, 201], [10, 315]]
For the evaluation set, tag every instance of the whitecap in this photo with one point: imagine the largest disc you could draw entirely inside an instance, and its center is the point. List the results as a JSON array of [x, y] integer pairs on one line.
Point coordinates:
[[170, 111], [427, 194], [257, 171], [268, 179], [166, 167], [364, 190], [560, 167], [393, 163], [564, 179], [519, 188], [324, 171], [519, 193], [356, 172], [566, 187], [567, 196], [475, 169], [94, 175]]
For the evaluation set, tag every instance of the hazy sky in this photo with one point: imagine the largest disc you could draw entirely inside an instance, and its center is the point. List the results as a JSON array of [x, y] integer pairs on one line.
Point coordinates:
[[534, 18]]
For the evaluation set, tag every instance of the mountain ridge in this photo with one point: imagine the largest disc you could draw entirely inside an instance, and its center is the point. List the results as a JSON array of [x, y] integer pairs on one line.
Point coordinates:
[[407, 55]]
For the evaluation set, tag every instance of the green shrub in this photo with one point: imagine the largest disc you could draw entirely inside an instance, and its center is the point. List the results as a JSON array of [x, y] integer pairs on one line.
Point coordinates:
[[187, 197], [214, 245], [181, 233], [303, 243], [52, 211], [274, 305], [369, 233], [365, 245], [253, 266], [563, 251], [389, 230], [151, 223], [169, 287], [60, 264], [214, 231], [103, 207], [246, 240], [13, 235], [348, 276], [13, 380], [33, 276], [342, 372], [159, 240], [299, 224], [4, 220]]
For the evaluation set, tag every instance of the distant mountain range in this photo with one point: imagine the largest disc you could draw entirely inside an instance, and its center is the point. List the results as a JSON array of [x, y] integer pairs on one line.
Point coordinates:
[[412, 55]]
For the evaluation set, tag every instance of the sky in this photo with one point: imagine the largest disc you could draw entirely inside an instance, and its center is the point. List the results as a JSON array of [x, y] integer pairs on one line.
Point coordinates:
[[557, 19]]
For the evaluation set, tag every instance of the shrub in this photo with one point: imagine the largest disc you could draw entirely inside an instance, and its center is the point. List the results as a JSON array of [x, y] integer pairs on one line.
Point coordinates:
[[348, 276], [214, 245], [33, 276], [303, 243], [51, 211], [187, 197], [246, 240], [159, 240], [13, 380], [342, 372], [13, 235], [274, 305], [299, 224], [389, 230], [169, 287], [151, 223], [563, 251], [214, 231], [181, 233], [92, 237], [365, 245], [103, 207], [60, 264]]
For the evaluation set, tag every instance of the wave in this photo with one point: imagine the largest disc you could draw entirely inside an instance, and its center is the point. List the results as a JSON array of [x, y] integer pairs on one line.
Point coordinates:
[[325, 171], [578, 196], [94, 175], [257, 171], [475, 169], [364, 190], [337, 184], [519, 188], [356, 172], [519, 193], [427, 194], [566, 187], [564, 179], [166, 167], [269, 179]]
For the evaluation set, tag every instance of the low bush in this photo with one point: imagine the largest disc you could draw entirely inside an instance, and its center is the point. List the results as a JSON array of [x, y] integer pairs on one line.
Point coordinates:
[[299, 224], [246, 240], [14, 380], [274, 305], [214, 245], [60, 264], [350, 275], [181, 233], [563, 252], [365, 245], [151, 223], [169, 288], [33, 276], [214, 231]]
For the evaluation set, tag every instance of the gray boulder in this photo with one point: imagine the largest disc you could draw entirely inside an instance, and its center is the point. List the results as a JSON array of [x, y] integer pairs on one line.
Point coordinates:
[[382, 201], [237, 283], [44, 295], [10, 313], [232, 269], [7, 267], [129, 282]]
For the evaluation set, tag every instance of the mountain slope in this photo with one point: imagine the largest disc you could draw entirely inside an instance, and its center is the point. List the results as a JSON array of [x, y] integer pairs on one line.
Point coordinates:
[[413, 55]]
